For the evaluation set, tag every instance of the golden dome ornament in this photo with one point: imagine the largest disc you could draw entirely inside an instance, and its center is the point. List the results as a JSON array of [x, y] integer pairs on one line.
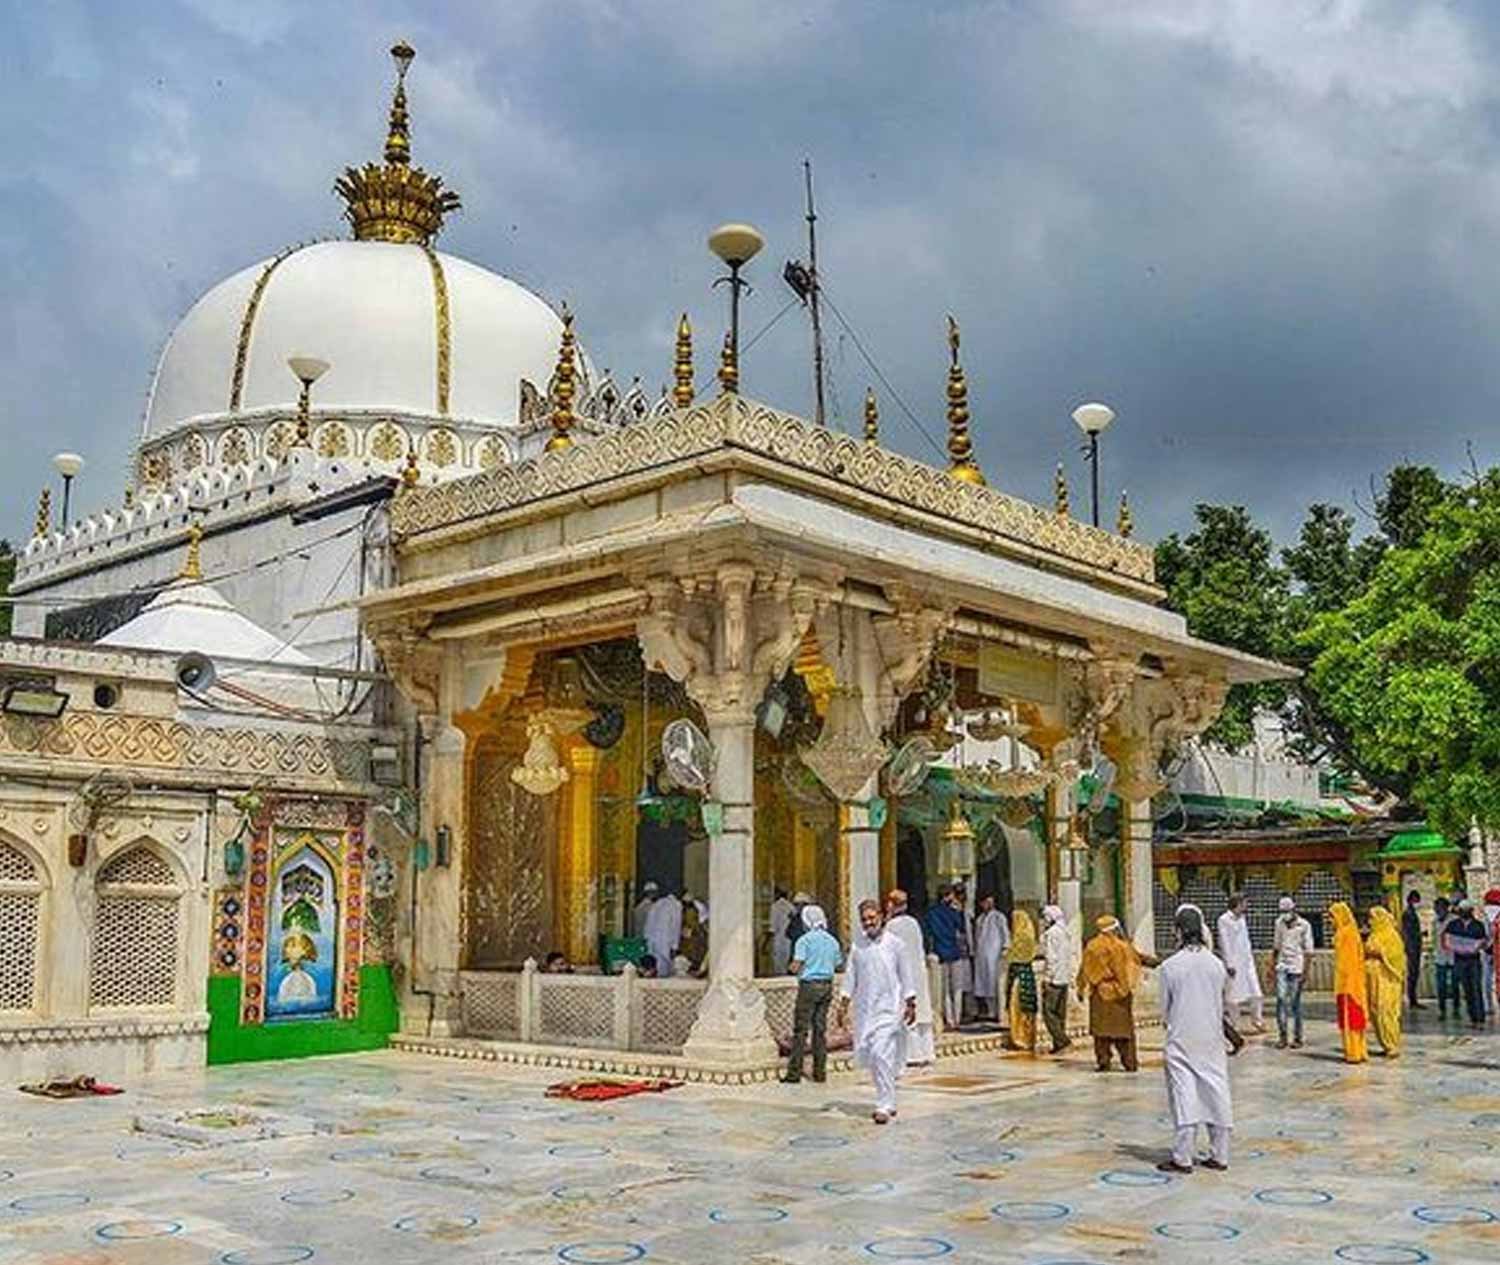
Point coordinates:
[[961, 464]]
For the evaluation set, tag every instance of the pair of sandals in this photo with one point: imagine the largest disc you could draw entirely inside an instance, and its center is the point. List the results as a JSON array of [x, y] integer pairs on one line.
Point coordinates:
[[884, 1117]]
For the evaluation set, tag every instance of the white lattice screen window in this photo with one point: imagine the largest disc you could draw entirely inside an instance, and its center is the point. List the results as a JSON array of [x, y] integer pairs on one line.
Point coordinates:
[[20, 924], [136, 928]]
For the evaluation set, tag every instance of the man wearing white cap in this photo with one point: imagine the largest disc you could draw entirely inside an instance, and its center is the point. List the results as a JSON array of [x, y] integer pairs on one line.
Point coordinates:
[[649, 889], [1290, 945]]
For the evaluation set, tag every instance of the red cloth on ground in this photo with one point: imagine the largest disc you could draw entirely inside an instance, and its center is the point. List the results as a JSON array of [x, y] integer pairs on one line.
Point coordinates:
[[603, 1091]]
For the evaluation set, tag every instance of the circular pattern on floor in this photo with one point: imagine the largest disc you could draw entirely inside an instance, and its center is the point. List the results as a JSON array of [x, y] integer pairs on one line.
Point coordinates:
[[461, 1172], [747, 1216], [601, 1253], [5, 1174], [983, 1155], [288, 1254], [909, 1249], [817, 1142], [1134, 1177], [577, 1194], [857, 1188], [356, 1153], [234, 1176], [148, 1150], [1293, 1196], [577, 1151], [1197, 1231], [436, 1222], [1453, 1214], [48, 1202], [316, 1197], [144, 1228], [1380, 1254], [1030, 1210]]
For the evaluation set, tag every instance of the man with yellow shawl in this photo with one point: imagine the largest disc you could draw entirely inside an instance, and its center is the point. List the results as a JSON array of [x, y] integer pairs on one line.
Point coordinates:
[[1385, 970], [1108, 978], [1020, 983], [1349, 982]]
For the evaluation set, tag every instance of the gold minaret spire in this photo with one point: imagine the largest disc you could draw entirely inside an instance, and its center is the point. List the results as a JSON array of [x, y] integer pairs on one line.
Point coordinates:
[[682, 365], [43, 513], [961, 464], [872, 417], [395, 202], [562, 389], [1125, 523], [192, 565], [729, 368], [1060, 491]]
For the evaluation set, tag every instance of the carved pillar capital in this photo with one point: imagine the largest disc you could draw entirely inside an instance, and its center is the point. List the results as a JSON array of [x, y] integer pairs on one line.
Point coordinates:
[[414, 662]]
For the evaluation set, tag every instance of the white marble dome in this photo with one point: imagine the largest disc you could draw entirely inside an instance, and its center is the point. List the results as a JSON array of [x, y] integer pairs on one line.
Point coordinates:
[[371, 309]]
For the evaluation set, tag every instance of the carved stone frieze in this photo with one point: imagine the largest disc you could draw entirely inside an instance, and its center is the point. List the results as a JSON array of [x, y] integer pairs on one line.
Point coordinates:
[[730, 422]]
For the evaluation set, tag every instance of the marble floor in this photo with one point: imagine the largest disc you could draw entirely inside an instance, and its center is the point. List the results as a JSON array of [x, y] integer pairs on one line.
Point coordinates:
[[992, 1160]]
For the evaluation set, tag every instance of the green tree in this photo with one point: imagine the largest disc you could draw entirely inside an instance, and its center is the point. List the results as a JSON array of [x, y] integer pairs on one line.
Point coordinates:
[[7, 574], [1224, 578], [1408, 671]]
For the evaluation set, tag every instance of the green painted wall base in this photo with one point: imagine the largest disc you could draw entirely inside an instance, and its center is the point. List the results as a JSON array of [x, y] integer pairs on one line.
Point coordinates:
[[229, 1041]]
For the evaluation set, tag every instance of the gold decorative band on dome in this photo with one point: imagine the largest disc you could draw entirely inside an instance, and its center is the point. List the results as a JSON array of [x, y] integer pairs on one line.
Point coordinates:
[[444, 328], [247, 324]]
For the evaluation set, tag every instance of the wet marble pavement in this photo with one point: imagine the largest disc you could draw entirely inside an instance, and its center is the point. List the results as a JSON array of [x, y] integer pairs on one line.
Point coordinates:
[[1037, 1162]]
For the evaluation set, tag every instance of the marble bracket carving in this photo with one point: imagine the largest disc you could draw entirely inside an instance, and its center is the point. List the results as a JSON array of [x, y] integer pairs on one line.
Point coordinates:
[[906, 639]]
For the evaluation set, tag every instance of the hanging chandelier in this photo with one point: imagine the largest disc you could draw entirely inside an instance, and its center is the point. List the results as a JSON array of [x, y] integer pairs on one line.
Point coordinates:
[[542, 771], [1006, 783], [847, 753]]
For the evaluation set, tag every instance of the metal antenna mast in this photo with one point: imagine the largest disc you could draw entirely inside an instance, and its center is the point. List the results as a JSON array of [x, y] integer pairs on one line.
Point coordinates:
[[817, 324]]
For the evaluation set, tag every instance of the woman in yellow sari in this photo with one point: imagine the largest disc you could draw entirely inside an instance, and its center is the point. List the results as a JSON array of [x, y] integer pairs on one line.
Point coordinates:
[[1020, 983], [1385, 969], [1349, 984]]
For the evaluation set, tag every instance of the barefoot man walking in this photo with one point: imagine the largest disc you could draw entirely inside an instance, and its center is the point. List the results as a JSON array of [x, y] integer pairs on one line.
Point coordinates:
[[879, 983]]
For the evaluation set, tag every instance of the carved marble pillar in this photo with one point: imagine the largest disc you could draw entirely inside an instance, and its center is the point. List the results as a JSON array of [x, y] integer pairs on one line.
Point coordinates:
[[725, 634], [438, 950]]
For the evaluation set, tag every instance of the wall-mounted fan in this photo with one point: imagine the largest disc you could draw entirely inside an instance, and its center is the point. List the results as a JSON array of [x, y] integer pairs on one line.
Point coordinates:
[[907, 769], [689, 756]]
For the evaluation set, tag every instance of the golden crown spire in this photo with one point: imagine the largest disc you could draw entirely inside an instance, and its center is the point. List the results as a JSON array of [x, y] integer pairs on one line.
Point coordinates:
[[396, 202], [961, 464], [411, 473], [1125, 523], [562, 389], [729, 367], [192, 565], [682, 365], [1060, 491], [872, 417], [43, 513]]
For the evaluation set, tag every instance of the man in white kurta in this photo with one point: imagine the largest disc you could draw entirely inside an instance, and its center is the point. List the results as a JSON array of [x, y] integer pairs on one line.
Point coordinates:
[[643, 907], [878, 981], [781, 948], [663, 932], [1193, 989], [1239, 962], [991, 940], [921, 1040]]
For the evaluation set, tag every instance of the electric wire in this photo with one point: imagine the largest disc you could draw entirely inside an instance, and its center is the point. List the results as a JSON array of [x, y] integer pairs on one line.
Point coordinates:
[[880, 375]]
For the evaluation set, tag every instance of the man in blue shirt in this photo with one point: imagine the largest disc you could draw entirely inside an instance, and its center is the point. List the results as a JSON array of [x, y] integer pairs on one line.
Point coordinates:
[[815, 957], [947, 926]]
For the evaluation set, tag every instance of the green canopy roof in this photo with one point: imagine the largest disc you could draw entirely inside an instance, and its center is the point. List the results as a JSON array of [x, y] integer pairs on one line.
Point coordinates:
[[1409, 841]]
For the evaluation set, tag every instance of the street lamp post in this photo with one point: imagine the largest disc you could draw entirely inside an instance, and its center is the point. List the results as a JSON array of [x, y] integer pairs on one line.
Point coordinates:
[[736, 245], [67, 464], [1092, 420]]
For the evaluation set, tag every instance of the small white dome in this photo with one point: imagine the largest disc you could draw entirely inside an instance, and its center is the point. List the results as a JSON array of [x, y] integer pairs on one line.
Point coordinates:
[[369, 308]]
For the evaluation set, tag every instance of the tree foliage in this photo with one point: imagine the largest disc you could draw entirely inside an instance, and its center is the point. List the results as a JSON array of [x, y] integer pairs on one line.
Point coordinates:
[[1397, 634]]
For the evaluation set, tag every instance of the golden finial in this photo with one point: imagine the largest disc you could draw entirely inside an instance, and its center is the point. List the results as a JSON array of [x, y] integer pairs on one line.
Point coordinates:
[[1060, 491], [960, 449], [729, 368], [395, 202], [410, 474], [129, 497], [682, 365], [562, 389], [398, 138], [192, 566], [1125, 523], [43, 513], [872, 417]]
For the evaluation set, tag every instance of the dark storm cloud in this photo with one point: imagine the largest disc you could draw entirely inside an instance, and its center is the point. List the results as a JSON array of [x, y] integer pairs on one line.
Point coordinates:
[[1264, 232]]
